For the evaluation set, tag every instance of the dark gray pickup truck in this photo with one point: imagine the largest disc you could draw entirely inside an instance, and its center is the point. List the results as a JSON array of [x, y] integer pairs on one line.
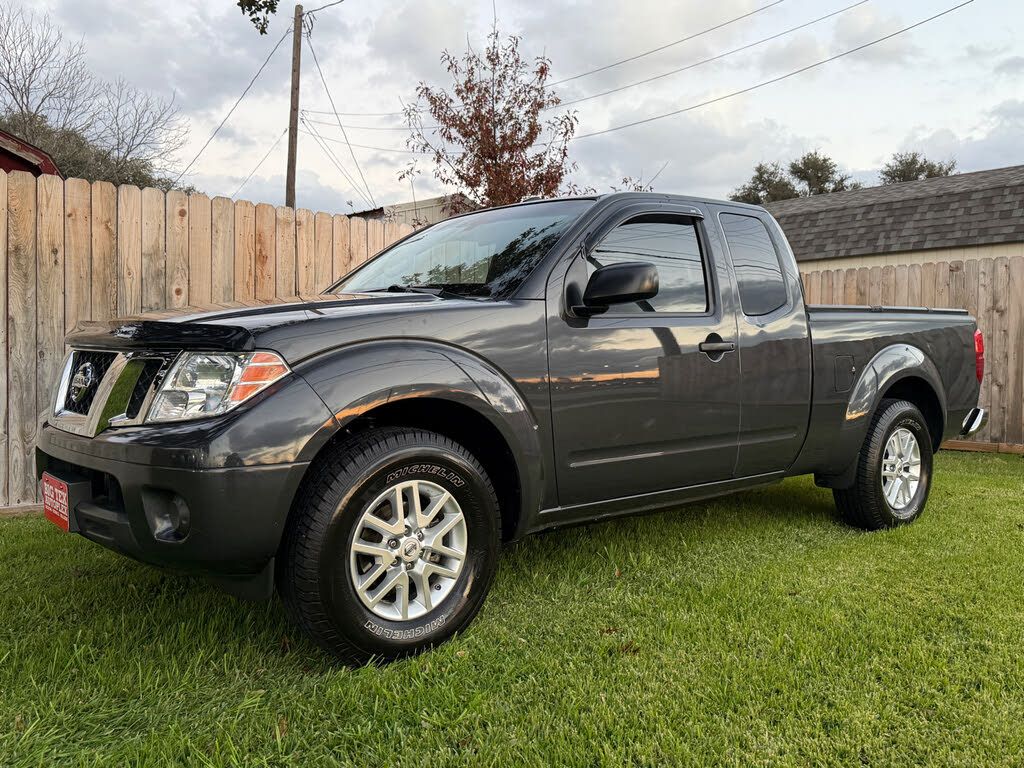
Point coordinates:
[[500, 373]]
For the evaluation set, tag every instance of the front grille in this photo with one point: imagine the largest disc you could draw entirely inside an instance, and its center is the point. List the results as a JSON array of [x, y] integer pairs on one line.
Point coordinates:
[[87, 370], [150, 370]]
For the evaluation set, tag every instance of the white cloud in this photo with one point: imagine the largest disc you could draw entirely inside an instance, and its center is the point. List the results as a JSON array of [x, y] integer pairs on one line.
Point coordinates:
[[934, 86]]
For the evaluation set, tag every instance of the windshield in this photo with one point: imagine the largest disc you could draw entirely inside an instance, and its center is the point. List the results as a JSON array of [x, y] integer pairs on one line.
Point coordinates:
[[483, 254]]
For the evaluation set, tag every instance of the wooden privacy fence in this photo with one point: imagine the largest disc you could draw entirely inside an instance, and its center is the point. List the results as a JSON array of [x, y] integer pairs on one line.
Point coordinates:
[[990, 289], [73, 251]]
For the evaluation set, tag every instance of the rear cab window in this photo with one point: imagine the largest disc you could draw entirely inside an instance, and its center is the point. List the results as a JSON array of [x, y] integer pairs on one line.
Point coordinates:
[[759, 276]]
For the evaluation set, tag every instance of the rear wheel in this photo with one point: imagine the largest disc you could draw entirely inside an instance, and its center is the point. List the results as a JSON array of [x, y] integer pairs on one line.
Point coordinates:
[[894, 470], [392, 545]]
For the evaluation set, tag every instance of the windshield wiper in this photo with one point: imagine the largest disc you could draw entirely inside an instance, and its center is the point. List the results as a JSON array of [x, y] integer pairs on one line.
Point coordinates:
[[430, 290]]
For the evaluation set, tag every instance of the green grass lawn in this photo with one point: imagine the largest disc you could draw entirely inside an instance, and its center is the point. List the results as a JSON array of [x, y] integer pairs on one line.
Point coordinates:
[[752, 630]]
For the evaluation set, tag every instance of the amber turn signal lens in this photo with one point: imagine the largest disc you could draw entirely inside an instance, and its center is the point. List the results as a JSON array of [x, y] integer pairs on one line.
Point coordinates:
[[262, 370]]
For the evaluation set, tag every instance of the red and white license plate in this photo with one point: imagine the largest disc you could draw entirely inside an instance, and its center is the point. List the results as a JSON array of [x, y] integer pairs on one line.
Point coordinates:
[[55, 501]]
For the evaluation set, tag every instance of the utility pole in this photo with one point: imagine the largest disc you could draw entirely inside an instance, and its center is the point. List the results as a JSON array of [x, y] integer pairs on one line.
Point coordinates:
[[293, 115]]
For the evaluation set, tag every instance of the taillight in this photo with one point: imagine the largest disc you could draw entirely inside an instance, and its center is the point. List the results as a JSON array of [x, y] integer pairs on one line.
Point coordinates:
[[979, 355]]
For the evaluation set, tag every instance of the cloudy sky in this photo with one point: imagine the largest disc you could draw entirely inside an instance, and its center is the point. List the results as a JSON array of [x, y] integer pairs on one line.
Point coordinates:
[[951, 88]]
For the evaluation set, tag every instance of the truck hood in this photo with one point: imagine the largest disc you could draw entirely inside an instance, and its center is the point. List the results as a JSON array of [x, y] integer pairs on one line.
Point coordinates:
[[233, 327]]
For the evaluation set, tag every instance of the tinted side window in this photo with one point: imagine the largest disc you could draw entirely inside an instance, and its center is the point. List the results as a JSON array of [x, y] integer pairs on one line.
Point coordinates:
[[758, 273], [668, 242]]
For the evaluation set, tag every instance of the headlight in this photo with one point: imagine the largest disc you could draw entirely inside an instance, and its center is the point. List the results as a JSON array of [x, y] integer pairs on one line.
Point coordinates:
[[202, 384]]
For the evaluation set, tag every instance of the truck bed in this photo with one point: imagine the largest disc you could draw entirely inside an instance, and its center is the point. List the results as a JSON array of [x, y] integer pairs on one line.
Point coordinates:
[[847, 339]]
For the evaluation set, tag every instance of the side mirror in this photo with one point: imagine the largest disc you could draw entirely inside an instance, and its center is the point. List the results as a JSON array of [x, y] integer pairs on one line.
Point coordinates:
[[618, 284]]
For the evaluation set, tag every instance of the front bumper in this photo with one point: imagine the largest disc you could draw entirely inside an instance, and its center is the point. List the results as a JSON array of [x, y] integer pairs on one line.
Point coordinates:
[[223, 523]]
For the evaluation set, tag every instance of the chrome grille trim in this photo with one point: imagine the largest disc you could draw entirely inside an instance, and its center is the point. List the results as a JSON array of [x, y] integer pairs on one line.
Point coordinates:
[[113, 394]]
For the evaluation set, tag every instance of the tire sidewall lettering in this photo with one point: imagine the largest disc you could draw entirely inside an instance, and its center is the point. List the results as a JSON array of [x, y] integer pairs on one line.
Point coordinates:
[[447, 471]]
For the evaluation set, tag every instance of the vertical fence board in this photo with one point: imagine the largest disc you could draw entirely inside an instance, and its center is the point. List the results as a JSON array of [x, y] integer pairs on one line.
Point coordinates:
[[914, 285], [942, 276], [888, 285], [839, 286], [21, 336], [77, 252], [374, 237], [104, 251], [305, 255], [129, 250], [49, 313], [342, 257], [957, 285], [245, 251], [177, 276], [357, 242], [826, 287], [200, 290], [928, 285], [4, 426], [814, 288], [266, 243], [285, 251], [154, 261], [222, 260], [875, 286], [1014, 357], [863, 281], [1001, 345], [322, 262], [901, 295]]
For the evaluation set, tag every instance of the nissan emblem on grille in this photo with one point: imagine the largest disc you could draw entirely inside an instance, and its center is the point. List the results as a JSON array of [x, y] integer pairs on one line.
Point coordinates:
[[84, 378]]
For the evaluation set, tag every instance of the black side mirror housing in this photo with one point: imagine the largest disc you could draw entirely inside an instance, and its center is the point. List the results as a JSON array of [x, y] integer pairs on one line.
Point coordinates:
[[618, 284]]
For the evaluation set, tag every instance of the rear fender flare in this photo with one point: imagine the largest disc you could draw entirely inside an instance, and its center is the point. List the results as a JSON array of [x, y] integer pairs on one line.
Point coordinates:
[[889, 366]]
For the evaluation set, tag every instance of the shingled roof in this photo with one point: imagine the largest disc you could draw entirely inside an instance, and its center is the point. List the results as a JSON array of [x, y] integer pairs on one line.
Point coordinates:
[[980, 208]]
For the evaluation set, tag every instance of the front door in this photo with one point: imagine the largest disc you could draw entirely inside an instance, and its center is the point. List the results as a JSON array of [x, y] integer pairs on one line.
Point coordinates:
[[637, 406]]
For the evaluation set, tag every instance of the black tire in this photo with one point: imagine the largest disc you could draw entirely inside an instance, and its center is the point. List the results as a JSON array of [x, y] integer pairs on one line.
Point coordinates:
[[313, 573], [864, 504]]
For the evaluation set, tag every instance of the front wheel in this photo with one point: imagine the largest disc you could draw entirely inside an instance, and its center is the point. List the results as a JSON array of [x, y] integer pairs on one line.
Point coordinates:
[[392, 545], [894, 470]]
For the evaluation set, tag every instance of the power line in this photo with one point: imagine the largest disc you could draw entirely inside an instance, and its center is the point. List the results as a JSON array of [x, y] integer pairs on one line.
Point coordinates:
[[378, 128], [669, 45], [318, 137], [263, 160], [233, 108], [363, 146], [774, 79], [354, 114], [322, 7], [708, 60], [342, 127], [337, 163], [334, 161]]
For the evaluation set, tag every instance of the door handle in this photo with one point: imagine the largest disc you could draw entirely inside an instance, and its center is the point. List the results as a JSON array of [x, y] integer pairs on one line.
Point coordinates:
[[716, 347]]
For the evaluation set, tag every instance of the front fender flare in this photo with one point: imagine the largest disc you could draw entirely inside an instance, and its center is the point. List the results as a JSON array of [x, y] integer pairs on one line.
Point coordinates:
[[356, 379]]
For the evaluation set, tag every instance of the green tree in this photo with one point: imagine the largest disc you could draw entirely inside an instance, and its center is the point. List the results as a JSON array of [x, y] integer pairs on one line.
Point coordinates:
[[768, 184], [913, 166], [259, 12], [820, 175]]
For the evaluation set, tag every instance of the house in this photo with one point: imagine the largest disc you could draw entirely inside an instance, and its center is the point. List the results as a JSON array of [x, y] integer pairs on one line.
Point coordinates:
[[953, 218], [18, 155]]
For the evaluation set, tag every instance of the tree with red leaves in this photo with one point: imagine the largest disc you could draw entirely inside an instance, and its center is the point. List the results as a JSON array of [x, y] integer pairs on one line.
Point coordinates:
[[489, 138]]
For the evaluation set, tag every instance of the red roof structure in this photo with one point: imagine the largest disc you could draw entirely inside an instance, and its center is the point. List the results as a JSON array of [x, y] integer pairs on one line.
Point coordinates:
[[18, 155]]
